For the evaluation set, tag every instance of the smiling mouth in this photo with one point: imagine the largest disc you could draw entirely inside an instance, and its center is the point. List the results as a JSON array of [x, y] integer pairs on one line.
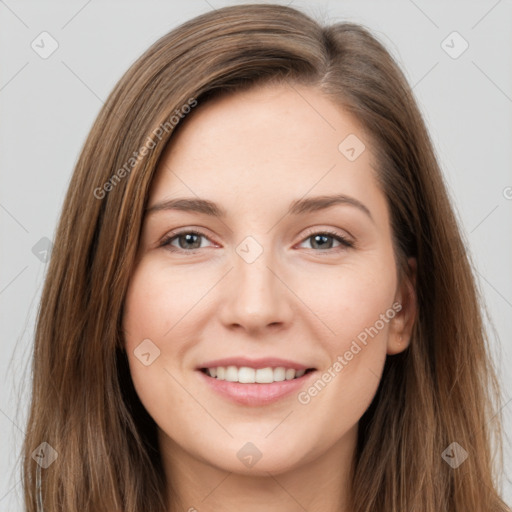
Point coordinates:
[[247, 375]]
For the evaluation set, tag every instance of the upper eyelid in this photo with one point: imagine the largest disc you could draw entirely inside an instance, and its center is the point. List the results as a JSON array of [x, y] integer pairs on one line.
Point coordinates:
[[184, 231], [328, 231]]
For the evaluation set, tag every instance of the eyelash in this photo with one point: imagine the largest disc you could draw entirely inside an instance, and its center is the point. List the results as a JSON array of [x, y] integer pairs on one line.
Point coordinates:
[[345, 243]]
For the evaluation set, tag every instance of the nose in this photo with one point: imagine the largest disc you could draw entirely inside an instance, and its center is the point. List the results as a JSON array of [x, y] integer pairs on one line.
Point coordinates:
[[257, 296]]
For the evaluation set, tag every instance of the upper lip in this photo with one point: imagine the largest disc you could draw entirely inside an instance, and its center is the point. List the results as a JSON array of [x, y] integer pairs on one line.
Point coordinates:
[[265, 362]]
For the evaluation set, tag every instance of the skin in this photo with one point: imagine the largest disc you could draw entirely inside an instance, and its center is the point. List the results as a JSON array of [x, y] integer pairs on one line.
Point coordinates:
[[254, 153]]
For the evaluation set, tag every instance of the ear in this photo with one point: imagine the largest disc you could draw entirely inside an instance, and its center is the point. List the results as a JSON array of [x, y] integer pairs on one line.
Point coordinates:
[[401, 325]]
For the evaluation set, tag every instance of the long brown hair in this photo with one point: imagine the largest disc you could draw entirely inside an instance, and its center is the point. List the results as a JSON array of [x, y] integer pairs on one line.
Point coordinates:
[[442, 389]]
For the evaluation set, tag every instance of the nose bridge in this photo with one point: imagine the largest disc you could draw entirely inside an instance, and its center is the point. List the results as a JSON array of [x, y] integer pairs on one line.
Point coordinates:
[[257, 297], [254, 279]]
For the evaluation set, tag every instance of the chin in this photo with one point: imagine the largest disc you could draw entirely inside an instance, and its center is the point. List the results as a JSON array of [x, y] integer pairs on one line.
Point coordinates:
[[258, 458]]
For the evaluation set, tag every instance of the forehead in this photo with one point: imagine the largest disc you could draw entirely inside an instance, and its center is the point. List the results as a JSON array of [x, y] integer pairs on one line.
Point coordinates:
[[265, 146]]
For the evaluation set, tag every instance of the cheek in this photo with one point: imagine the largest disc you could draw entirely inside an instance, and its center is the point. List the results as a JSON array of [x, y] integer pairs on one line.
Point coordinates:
[[356, 306], [357, 352], [157, 303], [351, 299]]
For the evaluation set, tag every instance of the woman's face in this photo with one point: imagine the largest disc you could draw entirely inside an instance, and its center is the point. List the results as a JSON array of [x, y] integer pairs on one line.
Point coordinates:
[[278, 277]]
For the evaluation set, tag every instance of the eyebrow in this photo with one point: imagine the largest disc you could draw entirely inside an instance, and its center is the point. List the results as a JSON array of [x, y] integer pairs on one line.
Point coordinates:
[[297, 207]]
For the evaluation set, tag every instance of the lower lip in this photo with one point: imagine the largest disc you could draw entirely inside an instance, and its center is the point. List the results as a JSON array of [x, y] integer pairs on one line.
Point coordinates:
[[255, 394]]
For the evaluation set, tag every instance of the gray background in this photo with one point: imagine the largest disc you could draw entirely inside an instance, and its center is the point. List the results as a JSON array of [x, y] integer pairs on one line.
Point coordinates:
[[47, 107]]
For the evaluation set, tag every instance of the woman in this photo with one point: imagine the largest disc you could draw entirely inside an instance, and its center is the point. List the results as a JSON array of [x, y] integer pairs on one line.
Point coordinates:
[[249, 370]]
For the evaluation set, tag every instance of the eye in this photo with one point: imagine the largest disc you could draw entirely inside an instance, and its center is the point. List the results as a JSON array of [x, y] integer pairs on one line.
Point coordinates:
[[323, 240], [188, 240]]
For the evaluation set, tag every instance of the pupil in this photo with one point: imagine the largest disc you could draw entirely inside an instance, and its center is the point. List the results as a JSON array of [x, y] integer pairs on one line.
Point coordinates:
[[189, 239], [316, 237]]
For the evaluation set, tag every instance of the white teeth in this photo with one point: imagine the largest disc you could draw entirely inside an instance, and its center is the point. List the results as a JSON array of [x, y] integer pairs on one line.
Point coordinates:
[[231, 374], [279, 374], [248, 375], [264, 375]]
